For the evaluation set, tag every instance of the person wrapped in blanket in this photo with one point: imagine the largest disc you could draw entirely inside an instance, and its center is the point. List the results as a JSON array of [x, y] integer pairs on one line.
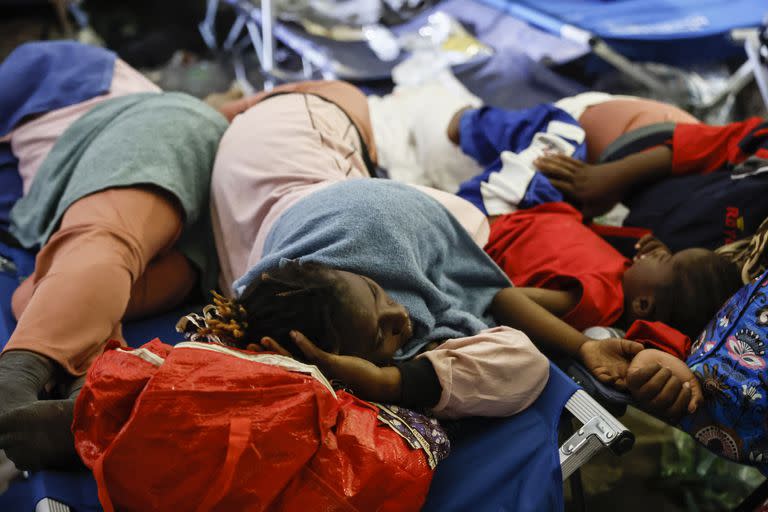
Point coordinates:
[[383, 285], [116, 180]]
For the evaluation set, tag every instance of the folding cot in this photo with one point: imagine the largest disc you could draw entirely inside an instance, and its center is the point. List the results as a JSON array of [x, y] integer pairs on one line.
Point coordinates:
[[496, 464], [620, 32], [676, 32], [512, 77]]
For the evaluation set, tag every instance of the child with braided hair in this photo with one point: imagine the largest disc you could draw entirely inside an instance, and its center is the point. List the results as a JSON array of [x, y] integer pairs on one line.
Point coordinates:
[[286, 307]]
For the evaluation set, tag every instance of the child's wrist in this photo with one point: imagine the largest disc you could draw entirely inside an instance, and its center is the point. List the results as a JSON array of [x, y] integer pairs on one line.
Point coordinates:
[[390, 386], [581, 344]]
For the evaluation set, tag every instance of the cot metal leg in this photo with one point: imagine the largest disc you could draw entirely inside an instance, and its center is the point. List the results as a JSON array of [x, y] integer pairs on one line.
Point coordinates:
[[234, 32], [49, 505], [267, 37], [254, 32], [737, 81], [759, 65], [600, 429], [207, 27], [624, 65]]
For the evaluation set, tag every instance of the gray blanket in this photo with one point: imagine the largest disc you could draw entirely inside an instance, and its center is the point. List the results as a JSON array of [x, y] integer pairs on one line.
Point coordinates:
[[402, 239], [164, 139]]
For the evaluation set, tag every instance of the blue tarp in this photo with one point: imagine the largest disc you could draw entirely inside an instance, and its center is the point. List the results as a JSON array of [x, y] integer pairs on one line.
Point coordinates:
[[671, 31]]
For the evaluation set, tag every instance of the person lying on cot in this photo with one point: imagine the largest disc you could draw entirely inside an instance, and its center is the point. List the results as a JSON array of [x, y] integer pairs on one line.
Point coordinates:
[[740, 148], [417, 130], [116, 179], [574, 273], [438, 134], [310, 198]]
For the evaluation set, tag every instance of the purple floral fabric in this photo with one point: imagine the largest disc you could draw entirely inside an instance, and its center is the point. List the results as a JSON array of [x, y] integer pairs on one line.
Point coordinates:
[[729, 359]]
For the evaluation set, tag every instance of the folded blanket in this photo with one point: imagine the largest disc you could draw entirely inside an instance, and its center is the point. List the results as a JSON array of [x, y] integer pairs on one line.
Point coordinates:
[[168, 140], [401, 238]]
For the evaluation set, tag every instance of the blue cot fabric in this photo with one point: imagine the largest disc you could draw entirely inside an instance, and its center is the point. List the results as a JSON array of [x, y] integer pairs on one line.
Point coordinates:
[[514, 461], [488, 131], [729, 359], [401, 238], [10, 184], [679, 32]]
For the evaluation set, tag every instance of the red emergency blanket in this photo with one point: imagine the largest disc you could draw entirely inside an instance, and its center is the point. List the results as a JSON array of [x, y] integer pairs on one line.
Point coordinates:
[[206, 427]]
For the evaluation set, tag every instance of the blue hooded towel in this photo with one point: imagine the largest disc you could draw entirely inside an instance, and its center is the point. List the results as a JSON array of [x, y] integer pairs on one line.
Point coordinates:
[[402, 239]]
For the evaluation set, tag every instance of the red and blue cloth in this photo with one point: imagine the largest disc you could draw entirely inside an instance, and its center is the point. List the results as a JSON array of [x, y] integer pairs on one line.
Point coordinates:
[[488, 131]]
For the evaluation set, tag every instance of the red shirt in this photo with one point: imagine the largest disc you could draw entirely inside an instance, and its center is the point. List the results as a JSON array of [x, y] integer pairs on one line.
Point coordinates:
[[702, 149], [549, 247]]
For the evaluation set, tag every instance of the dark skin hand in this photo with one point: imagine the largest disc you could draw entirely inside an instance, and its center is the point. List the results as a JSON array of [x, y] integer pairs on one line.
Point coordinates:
[[597, 188], [660, 392], [368, 381], [649, 244], [608, 360]]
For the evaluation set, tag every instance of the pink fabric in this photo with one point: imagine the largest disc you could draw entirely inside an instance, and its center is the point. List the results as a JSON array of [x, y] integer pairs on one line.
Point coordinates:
[[497, 372], [278, 152], [33, 140]]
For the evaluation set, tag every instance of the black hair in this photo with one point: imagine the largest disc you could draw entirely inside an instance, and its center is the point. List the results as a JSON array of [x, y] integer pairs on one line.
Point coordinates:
[[305, 297], [697, 291]]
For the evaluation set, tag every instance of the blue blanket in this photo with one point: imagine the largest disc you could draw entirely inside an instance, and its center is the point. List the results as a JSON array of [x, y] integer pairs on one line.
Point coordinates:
[[402, 239], [43, 76]]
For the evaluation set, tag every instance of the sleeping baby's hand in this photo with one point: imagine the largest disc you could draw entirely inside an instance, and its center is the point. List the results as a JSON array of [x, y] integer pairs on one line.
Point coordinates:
[[663, 385]]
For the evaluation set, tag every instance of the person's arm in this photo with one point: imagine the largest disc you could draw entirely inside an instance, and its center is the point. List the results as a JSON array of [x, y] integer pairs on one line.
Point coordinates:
[[663, 385], [454, 130], [596, 188], [513, 307], [557, 302], [496, 372], [411, 384], [608, 360], [702, 149]]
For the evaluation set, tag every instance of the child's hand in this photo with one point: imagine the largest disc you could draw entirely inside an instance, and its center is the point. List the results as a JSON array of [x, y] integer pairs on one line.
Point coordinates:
[[366, 379], [587, 185], [649, 244], [669, 393], [608, 360]]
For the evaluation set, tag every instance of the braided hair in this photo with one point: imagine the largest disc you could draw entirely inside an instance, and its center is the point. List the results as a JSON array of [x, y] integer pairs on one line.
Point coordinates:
[[304, 297]]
